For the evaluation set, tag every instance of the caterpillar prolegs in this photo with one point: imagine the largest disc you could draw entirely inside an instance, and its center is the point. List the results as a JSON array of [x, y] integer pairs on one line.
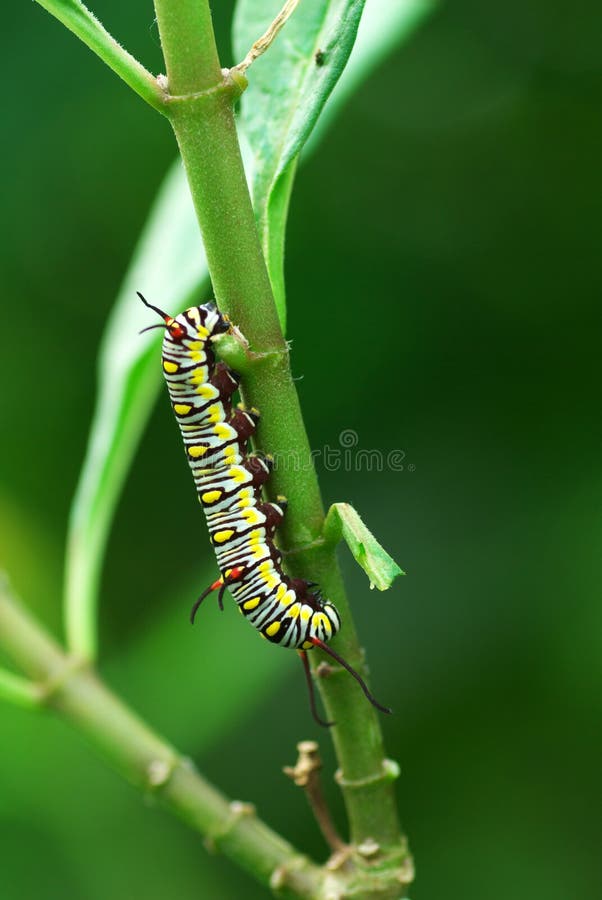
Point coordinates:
[[286, 611]]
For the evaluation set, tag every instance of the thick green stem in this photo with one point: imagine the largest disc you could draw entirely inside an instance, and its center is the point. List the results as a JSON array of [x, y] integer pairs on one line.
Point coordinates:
[[205, 130], [147, 760]]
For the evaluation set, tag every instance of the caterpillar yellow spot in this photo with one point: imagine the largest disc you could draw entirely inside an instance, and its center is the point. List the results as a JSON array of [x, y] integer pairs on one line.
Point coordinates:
[[238, 474], [223, 433], [251, 604], [211, 496], [319, 619], [215, 413], [251, 516], [182, 409], [293, 612], [245, 498], [307, 645], [197, 451], [221, 536], [273, 629], [305, 613], [207, 391], [170, 367], [198, 376]]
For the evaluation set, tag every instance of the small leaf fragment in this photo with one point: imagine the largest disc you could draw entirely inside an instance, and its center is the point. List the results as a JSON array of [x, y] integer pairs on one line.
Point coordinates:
[[343, 522]]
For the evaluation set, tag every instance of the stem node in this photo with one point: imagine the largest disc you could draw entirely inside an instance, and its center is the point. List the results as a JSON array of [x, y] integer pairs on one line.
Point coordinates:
[[389, 772], [237, 811]]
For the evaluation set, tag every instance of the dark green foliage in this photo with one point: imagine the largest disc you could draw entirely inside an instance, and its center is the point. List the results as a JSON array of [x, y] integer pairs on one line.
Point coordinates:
[[471, 242]]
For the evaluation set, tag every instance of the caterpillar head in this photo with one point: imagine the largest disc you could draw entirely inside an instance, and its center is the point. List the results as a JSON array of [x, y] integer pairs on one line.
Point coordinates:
[[196, 323]]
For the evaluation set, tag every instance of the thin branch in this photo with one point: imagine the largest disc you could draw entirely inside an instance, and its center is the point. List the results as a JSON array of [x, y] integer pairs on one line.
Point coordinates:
[[266, 39], [18, 690], [146, 759], [84, 24], [306, 774]]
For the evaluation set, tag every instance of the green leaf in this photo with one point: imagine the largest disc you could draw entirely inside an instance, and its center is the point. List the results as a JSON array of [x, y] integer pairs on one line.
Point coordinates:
[[343, 522], [287, 90], [169, 267], [290, 84], [383, 27]]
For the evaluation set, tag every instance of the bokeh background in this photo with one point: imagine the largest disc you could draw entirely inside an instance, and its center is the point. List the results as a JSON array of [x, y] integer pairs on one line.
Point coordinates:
[[444, 278]]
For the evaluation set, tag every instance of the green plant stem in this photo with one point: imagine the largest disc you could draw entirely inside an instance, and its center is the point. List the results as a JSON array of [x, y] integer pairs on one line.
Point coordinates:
[[18, 690], [200, 111], [205, 131], [146, 759], [83, 23], [199, 104]]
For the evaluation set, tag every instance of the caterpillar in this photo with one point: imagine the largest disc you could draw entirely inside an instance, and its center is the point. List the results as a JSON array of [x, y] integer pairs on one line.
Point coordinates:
[[228, 479]]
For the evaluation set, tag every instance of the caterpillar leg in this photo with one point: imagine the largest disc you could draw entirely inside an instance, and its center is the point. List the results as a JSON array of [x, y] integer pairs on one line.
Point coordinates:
[[274, 514], [244, 423], [225, 379], [318, 643], [312, 692], [259, 466], [253, 411], [221, 583]]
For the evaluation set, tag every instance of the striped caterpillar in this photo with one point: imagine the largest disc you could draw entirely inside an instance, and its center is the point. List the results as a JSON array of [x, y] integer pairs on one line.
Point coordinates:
[[285, 611]]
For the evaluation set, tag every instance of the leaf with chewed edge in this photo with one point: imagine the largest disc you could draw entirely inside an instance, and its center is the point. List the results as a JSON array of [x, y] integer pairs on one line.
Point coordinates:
[[343, 523]]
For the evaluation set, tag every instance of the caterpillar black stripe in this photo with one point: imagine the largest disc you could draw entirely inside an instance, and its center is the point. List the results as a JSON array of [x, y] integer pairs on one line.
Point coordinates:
[[228, 479]]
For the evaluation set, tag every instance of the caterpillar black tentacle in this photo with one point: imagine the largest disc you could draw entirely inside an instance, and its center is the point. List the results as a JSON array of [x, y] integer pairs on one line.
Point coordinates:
[[228, 479], [311, 692]]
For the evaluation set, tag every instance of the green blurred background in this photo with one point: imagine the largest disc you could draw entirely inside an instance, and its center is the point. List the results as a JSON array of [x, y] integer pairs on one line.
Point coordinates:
[[445, 240]]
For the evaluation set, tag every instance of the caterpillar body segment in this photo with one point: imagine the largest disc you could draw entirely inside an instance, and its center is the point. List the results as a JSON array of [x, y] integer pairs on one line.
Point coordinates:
[[228, 480]]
